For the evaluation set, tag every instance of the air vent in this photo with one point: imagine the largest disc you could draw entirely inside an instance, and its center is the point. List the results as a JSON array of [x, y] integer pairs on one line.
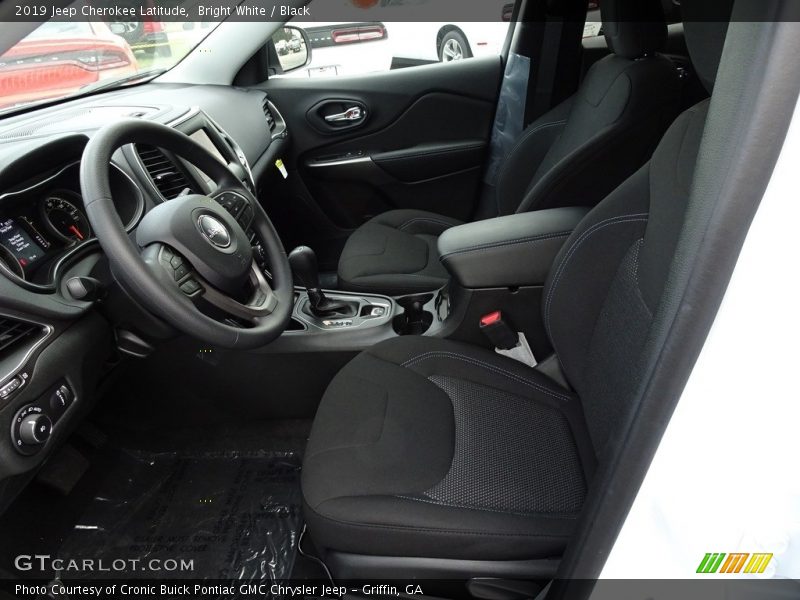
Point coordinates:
[[12, 332], [166, 175], [268, 114]]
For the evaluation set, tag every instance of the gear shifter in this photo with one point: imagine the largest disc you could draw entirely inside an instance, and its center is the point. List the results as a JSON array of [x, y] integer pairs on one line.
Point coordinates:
[[304, 265]]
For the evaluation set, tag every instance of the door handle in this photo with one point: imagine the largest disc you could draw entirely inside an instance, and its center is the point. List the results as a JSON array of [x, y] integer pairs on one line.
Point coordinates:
[[354, 113]]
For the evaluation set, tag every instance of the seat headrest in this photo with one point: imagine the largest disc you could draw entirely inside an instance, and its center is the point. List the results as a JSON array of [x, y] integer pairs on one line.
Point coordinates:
[[634, 28], [705, 26]]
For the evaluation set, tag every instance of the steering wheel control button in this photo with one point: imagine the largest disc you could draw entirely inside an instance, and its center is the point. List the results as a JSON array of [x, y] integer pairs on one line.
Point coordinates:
[[174, 263], [61, 398], [190, 287], [246, 217], [214, 231], [231, 202], [181, 272]]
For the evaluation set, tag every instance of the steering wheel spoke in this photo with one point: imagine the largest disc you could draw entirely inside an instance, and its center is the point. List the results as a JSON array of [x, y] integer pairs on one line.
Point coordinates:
[[261, 303], [240, 203]]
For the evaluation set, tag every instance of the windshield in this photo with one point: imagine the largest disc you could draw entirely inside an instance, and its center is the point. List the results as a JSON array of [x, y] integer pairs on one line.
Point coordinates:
[[61, 59]]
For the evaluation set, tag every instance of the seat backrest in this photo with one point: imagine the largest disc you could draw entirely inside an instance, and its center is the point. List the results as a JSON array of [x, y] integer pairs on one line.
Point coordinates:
[[607, 281], [581, 150]]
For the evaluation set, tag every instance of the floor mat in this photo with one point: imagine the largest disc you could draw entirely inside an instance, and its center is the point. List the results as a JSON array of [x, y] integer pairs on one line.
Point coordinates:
[[234, 515]]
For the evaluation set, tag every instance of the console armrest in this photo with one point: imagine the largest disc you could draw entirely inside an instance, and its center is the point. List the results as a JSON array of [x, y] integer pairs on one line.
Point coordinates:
[[516, 250]]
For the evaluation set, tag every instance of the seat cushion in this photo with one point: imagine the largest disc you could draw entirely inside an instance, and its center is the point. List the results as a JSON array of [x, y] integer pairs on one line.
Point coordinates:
[[395, 253], [430, 448]]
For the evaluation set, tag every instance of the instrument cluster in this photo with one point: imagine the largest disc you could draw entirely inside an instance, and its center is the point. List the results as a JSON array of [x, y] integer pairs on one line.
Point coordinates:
[[45, 222]]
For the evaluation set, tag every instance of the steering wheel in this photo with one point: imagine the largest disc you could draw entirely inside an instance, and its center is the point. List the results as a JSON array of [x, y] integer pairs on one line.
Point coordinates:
[[192, 262]]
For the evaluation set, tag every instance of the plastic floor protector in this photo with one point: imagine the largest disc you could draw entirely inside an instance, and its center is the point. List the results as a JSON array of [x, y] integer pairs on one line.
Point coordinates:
[[235, 515]]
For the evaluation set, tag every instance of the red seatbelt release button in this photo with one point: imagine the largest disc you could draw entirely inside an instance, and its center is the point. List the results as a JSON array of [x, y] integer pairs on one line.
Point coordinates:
[[491, 318], [499, 331]]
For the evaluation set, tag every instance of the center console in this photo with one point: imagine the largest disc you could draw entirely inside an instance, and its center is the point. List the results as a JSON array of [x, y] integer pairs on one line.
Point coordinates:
[[326, 320], [358, 312], [366, 320], [495, 264]]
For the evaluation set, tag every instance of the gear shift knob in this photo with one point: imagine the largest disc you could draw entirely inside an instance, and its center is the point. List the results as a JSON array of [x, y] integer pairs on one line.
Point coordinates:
[[303, 261]]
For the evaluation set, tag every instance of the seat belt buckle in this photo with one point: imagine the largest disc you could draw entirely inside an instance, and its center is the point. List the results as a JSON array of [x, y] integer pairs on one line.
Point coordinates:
[[506, 340], [498, 331]]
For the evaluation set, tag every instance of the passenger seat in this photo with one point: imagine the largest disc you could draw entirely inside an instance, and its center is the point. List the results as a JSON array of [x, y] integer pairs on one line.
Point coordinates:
[[574, 155]]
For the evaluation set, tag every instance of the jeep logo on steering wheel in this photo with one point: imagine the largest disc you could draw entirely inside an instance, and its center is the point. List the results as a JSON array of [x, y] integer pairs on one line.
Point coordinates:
[[214, 231]]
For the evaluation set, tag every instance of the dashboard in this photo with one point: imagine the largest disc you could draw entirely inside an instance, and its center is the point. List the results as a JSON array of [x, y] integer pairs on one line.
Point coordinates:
[[55, 346]]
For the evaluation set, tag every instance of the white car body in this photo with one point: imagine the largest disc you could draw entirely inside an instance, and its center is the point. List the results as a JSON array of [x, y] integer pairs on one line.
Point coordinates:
[[347, 59], [422, 41], [724, 478]]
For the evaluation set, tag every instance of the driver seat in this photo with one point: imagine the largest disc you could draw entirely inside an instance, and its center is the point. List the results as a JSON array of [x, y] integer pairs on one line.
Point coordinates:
[[444, 458]]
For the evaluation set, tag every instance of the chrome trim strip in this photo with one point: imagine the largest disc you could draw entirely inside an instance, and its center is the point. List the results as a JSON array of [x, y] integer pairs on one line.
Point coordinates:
[[276, 114], [338, 163], [40, 183]]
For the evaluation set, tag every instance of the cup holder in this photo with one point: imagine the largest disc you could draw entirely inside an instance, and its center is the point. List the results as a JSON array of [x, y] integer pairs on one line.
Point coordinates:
[[414, 320]]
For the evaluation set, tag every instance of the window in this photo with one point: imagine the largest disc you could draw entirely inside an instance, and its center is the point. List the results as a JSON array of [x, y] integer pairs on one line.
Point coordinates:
[[391, 34], [60, 59]]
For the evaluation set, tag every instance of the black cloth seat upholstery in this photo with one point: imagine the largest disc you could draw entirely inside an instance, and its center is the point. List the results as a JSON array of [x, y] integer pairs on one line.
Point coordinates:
[[427, 447], [395, 253], [410, 449], [430, 449], [574, 155]]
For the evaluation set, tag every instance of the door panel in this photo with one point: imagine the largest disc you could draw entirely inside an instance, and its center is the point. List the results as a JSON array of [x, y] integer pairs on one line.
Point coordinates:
[[419, 140]]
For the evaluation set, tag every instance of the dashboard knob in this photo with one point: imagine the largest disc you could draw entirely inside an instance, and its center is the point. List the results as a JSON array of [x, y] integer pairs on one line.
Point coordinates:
[[35, 429], [87, 289]]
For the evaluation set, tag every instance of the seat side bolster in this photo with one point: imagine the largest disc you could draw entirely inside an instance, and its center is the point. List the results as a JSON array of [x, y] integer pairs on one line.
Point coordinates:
[[523, 160]]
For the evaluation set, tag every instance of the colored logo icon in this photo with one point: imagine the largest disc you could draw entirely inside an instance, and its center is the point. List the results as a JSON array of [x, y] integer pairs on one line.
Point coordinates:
[[741, 562]]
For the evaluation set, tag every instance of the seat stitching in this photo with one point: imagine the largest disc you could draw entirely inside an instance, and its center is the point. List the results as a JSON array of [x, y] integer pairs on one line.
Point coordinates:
[[636, 277], [563, 516], [509, 374], [525, 135], [382, 252], [402, 285], [636, 260], [351, 446], [432, 529], [425, 220], [491, 245], [582, 238]]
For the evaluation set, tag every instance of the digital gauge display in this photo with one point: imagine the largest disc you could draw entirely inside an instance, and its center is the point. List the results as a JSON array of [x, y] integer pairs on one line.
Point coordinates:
[[19, 243]]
